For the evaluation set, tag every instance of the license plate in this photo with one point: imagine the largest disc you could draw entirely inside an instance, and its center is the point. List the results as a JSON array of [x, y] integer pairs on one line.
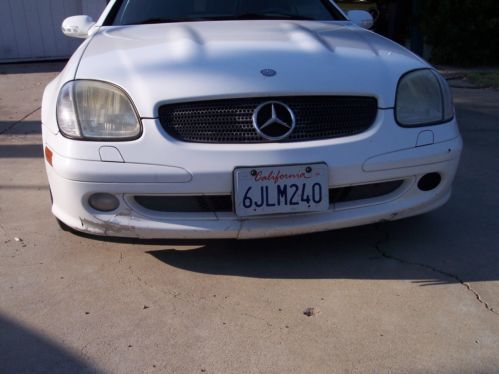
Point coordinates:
[[281, 189]]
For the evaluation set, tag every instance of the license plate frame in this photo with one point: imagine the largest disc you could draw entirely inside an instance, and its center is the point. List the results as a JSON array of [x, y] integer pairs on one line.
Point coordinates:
[[281, 189]]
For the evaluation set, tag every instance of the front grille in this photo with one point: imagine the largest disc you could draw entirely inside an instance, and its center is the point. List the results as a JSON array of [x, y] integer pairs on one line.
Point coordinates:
[[199, 204], [230, 121]]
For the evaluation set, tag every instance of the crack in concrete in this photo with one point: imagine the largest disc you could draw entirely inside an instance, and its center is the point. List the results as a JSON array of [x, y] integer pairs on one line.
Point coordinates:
[[10, 127], [155, 289], [458, 279], [3, 229], [5, 238]]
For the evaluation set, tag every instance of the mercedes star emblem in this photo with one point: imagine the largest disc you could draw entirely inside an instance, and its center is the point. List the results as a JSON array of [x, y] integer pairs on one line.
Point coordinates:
[[274, 120]]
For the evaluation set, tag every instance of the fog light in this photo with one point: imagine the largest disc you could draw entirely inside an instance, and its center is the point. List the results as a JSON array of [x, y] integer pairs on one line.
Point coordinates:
[[429, 182], [104, 202]]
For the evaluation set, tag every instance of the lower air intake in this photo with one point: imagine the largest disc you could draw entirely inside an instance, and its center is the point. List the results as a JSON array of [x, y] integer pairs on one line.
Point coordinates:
[[199, 204]]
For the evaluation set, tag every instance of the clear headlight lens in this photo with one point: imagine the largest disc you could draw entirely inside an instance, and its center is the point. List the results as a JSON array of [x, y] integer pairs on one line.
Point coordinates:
[[96, 111], [423, 98]]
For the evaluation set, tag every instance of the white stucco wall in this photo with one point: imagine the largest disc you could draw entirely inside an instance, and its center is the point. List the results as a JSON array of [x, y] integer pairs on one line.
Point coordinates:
[[31, 29]]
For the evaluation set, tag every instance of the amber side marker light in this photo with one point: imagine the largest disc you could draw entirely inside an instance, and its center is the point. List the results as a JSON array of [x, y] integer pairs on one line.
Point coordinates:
[[48, 155]]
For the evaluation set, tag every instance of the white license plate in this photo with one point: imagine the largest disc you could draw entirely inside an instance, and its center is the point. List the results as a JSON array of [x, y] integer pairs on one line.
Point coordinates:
[[281, 189]]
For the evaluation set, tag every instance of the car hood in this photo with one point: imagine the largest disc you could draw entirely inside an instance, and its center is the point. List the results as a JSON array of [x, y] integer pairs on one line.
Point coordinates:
[[161, 63]]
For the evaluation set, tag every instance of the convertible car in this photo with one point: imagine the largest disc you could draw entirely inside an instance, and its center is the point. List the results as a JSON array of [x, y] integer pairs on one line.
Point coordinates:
[[242, 119]]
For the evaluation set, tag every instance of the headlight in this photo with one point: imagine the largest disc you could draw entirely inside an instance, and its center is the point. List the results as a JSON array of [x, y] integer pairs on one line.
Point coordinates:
[[423, 98], [96, 111]]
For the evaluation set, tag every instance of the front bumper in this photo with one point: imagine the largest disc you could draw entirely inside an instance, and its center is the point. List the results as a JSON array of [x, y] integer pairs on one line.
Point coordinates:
[[385, 152]]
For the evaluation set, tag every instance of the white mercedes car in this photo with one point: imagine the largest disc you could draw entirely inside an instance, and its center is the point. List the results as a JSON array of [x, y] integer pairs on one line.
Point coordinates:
[[242, 119]]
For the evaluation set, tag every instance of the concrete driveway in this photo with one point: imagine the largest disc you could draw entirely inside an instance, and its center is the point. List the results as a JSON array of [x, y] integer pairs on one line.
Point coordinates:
[[418, 295]]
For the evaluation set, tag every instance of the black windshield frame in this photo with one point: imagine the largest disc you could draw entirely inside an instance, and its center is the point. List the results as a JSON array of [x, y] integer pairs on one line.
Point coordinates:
[[111, 17]]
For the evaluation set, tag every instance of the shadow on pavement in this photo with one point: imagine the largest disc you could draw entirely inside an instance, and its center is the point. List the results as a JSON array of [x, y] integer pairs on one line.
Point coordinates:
[[20, 128], [333, 255], [411, 249], [32, 67], [25, 351], [21, 151]]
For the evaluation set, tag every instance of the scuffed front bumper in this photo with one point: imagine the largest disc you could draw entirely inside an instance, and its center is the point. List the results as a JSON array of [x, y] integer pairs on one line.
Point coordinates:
[[128, 222], [386, 152]]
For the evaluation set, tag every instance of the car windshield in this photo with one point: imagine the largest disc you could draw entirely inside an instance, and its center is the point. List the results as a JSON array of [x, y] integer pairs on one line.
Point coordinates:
[[136, 12]]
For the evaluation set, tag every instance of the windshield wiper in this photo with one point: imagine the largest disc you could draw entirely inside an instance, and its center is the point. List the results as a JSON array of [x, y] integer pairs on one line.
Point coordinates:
[[157, 20], [272, 15]]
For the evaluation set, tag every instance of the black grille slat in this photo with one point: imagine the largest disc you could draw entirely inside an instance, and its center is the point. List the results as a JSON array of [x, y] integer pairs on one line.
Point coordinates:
[[230, 121]]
